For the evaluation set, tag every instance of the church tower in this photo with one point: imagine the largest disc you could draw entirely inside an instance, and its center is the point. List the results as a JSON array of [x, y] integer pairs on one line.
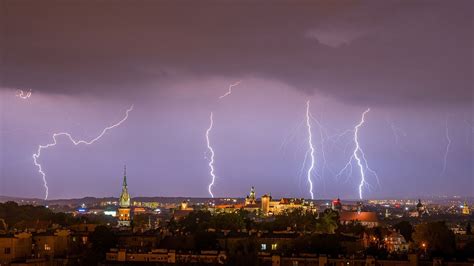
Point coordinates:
[[124, 203], [251, 199], [465, 209]]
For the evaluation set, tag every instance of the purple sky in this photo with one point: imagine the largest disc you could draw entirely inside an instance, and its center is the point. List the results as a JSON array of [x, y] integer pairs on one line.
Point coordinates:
[[86, 63]]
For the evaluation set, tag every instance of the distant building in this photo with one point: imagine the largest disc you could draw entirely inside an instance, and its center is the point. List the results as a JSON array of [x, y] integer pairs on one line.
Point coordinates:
[[266, 205], [251, 198], [395, 242], [275, 207], [368, 219], [336, 205], [465, 209], [82, 209], [124, 204], [183, 210], [420, 208], [419, 211]]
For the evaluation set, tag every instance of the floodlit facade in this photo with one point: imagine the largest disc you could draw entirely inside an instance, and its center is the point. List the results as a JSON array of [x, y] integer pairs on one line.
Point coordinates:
[[124, 204], [266, 205]]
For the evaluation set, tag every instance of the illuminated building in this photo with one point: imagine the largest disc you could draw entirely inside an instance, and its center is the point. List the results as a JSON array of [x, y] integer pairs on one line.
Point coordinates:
[[110, 211], [266, 205], [336, 205], [185, 206], [251, 199], [124, 203], [465, 209], [183, 210], [275, 207], [421, 209], [368, 219], [82, 210], [395, 242]]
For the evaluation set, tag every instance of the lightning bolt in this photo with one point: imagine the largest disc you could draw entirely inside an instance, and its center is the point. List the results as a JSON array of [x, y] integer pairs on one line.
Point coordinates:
[[397, 131], [211, 151], [310, 149], [448, 144], [229, 92], [23, 95], [321, 146], [359, 156], [208, 142], [75, 142]]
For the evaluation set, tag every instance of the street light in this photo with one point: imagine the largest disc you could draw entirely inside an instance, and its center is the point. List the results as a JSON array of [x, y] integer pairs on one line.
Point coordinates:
[[424, 246]]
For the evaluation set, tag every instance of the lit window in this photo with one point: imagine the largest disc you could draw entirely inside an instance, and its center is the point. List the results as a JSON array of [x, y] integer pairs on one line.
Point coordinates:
[[295, 263], [263, 247], [47, 247], [274, 246]]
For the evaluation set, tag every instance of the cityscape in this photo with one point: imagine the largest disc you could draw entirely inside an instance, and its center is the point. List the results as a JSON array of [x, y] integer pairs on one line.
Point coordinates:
[[274, 133], [249, 230]]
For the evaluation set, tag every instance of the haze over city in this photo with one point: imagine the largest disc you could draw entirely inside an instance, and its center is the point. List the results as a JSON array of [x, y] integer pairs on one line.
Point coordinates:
[[85, 63]]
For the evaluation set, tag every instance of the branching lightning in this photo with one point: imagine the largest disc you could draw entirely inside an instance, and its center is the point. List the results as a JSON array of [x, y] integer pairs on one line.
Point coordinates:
[[75, 142], [397, 131], [359, 156], [211, 151], [23, 95], [229, 92], [311, 150], [320, 143], [448, 145], [208, 142]]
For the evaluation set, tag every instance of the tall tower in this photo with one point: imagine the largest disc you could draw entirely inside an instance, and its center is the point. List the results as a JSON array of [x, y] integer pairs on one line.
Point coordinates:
[[124, 203], [251, 199], [266, 204], [465, 209]]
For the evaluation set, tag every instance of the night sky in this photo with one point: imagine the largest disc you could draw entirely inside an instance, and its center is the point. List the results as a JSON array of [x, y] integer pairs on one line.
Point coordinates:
[[87, 62]]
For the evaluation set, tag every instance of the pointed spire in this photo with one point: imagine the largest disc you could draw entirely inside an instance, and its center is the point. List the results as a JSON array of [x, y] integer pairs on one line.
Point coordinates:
[[124, 176]]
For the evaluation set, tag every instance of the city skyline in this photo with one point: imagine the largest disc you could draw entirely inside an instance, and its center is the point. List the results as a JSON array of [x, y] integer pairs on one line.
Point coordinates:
[[256, 76]]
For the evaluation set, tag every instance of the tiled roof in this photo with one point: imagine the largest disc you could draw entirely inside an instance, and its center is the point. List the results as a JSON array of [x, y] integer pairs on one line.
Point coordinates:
[[356, 216]]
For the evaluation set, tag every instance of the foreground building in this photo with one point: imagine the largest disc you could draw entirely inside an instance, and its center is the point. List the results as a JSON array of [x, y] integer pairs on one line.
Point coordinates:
[[167, 256], [14, 247]]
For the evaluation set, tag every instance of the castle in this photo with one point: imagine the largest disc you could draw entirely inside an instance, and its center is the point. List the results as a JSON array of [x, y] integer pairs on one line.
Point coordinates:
[[267, 205]]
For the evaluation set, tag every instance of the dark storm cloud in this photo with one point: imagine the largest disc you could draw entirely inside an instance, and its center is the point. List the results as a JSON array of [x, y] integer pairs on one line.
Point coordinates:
[[363, 52]]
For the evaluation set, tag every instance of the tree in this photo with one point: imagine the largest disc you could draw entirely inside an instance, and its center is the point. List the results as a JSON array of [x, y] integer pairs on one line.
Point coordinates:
[[19, 215], [195, 221], [227, 221], [353, 228], [435, 238], [406, 230], [102, 240], [327, 222]]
